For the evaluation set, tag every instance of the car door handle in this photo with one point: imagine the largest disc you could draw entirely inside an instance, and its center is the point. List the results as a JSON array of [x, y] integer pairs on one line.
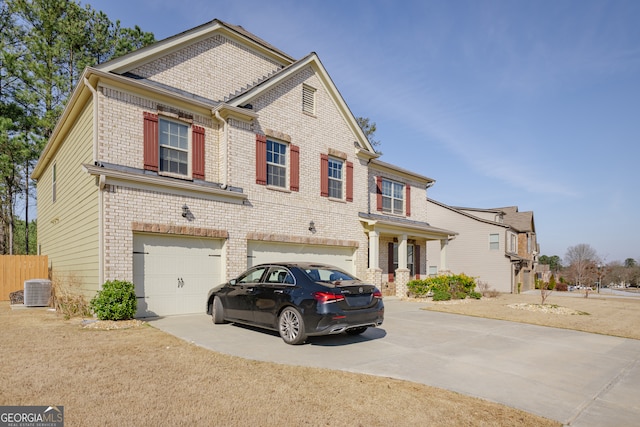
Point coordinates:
[[278, 291]]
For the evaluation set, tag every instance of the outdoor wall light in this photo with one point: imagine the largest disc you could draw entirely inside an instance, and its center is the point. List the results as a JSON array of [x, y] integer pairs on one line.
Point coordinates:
[[185, 211], [312, 227]]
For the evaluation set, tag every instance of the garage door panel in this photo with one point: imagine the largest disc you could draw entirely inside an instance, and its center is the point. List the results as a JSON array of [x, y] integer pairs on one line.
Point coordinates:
[[265, 252], [172, 274]]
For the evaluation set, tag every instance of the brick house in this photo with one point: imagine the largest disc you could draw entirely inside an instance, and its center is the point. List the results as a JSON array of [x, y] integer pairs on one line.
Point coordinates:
[[181, 164]]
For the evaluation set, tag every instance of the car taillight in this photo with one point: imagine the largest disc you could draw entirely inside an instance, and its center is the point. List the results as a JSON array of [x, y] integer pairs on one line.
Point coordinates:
[[327, 297], [377, 294]]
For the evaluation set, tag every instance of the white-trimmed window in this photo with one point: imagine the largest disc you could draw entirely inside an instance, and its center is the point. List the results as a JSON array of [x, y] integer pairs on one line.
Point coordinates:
[[494, 241], [392, 197], [336, 177], [276, 164], [174, 147], [513, 243], [308, 100]]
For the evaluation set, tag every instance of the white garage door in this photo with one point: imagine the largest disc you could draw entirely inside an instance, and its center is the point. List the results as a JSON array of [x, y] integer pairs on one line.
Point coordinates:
[[261, 252], [172, 275]]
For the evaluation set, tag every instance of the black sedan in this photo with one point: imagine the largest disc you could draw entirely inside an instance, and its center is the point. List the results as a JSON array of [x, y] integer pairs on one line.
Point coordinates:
[[298, 300]]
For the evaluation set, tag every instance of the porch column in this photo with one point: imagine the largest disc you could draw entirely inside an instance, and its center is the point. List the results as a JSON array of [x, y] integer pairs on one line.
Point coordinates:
[[374, 272], [443, 254], [402, 252], [374, 249], [402, 273]]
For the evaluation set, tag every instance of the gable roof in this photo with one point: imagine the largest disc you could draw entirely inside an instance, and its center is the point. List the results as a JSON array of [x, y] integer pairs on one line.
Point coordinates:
[[521, 221], [163, 47], [117, 70], [459, 211]]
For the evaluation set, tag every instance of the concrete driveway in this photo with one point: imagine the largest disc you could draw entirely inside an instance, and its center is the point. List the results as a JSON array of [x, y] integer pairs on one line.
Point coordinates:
[[576, 378]]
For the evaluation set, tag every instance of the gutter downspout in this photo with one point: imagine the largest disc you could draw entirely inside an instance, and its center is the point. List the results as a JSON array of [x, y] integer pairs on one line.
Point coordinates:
[[101, 185], [224, 150]]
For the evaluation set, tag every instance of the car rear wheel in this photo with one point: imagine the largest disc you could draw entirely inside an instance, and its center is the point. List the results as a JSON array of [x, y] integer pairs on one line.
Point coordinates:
[[291, 326], [217, 311], [356, 331]]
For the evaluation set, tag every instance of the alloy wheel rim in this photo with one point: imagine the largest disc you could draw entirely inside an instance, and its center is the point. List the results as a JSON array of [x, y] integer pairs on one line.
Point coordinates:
[[290, 325]]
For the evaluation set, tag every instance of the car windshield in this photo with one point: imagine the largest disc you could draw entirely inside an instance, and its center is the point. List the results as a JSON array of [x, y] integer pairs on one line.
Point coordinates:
[[325, 274]]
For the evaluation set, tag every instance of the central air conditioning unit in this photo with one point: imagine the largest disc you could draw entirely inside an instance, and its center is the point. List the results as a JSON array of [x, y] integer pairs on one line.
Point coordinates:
[[37, 292]]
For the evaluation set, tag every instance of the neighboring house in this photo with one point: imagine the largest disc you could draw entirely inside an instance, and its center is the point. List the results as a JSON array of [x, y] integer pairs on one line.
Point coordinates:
[[496, 246], [183, 163]]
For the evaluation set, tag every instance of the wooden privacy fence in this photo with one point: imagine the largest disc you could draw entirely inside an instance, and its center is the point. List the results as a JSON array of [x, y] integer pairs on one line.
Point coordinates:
[[15, 269]]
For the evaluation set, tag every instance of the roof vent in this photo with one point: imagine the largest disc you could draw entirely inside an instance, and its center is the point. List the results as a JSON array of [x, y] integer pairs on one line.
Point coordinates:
[[37, 292]]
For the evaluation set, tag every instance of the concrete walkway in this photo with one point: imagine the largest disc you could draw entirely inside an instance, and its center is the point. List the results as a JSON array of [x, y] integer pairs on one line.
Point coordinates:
[[576, 378]]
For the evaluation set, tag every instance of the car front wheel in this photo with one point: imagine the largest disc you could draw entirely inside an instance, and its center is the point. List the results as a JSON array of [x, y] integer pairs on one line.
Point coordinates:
[[217, 311], [291, 326]]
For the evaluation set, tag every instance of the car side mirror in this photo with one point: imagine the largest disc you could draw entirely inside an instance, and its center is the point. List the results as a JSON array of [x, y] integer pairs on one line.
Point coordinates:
[[233, 282]]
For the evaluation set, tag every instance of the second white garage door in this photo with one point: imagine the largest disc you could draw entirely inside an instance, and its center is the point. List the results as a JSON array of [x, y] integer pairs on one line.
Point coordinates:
[[172, 274], [264, 252]]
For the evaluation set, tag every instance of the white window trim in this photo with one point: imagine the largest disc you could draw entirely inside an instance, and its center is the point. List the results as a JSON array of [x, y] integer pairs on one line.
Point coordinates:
[[189, 126], [491, 241], [342, 177], [403, 199], [286, 166]]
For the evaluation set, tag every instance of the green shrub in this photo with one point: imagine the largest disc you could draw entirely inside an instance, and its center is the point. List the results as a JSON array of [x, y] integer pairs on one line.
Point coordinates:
[[475, 295], [116, 301], [458, 286], [440, 295]]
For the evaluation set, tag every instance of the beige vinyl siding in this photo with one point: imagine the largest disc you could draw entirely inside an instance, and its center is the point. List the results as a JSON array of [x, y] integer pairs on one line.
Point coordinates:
[[68, 227], [469, 252]]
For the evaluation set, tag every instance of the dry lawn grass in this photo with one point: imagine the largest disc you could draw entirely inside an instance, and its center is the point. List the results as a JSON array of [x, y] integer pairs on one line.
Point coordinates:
[[142, 376], [606, 315]]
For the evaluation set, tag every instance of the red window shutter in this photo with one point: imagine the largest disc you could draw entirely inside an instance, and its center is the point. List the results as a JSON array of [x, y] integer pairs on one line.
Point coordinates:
[[261, 159], [379, 192], [349, 182], [390, 263], [324, 175], [294, 179], [417, 260], [408, 188], [197, 161], [151, 156]]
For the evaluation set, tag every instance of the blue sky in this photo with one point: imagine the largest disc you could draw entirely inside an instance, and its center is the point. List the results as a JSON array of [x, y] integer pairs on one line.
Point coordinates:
[[527, 103]]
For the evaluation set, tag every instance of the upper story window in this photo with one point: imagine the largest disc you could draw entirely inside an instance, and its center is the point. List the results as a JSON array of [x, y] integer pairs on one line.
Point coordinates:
[[494, 241], [308, 99], [276, 164], [513, 243], [392, 197], [174, 147], [335, 177]]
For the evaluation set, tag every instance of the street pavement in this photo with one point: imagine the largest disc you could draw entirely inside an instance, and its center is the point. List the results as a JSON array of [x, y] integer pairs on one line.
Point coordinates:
[[577, 378]]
